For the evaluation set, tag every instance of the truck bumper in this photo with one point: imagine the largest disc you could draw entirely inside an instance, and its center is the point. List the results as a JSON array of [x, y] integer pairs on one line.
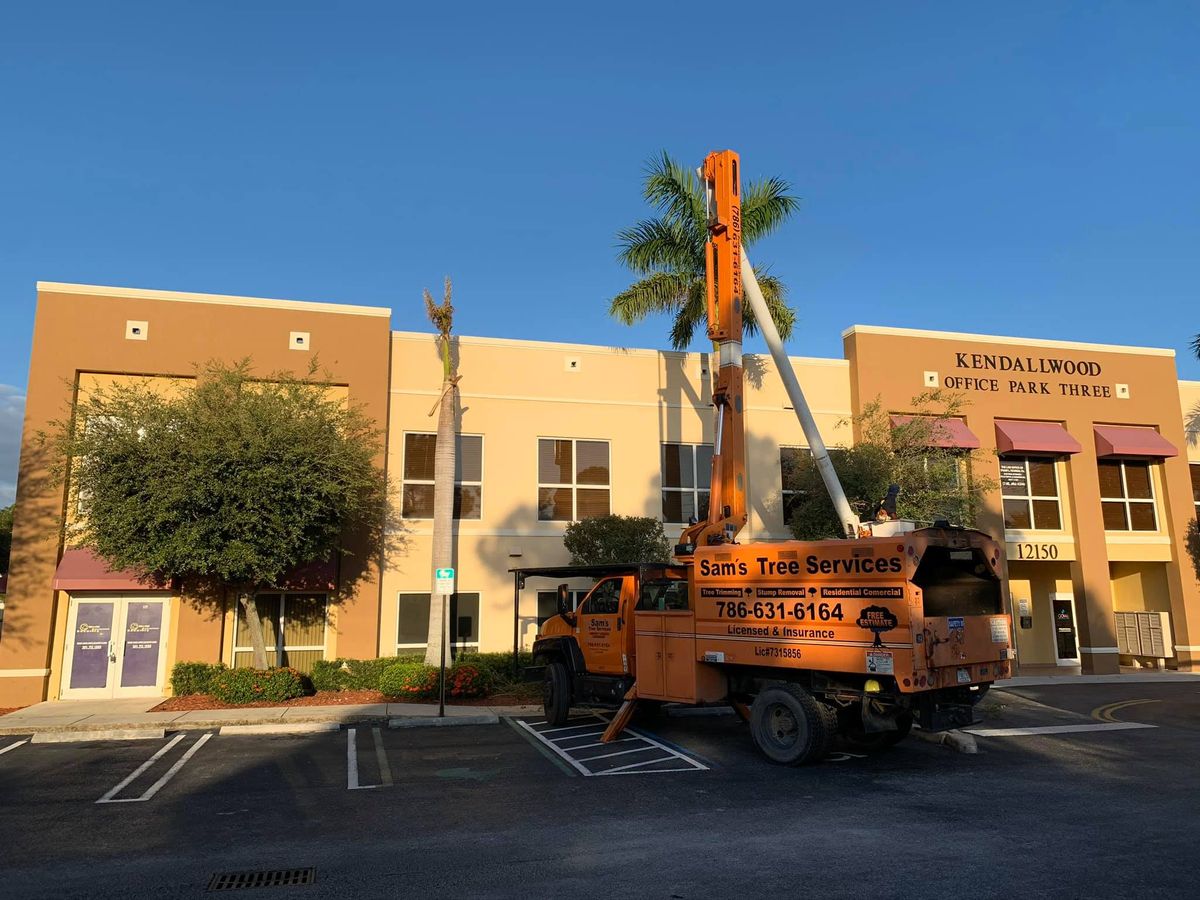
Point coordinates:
[[943, 710]]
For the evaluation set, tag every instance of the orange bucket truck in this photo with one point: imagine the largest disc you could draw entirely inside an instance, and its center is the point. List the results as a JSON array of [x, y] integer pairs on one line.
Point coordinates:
[[807, 640]]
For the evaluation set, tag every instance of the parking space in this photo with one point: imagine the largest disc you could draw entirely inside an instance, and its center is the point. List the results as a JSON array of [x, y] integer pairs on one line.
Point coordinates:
[[633, 752]]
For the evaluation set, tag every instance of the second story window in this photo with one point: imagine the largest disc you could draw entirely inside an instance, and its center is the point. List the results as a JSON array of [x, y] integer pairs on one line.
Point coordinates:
[[573, 479], [419, 451], [791, 459], [1029, 486], [686, 473], [1127, 495]]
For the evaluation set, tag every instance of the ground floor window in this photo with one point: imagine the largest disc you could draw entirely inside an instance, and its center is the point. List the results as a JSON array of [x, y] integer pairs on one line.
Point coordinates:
[[412, 632], [300, 618], [547, 604]]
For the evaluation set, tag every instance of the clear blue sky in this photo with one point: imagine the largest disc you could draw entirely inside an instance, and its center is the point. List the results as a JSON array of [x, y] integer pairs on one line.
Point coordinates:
[[1016, 168]]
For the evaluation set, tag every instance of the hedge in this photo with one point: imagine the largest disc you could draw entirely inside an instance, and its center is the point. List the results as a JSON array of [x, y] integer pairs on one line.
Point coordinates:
[[353, 674], [417, 681], [194, 677], [247, 685]]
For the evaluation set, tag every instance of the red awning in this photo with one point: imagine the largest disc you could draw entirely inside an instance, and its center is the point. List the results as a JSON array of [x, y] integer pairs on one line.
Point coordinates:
[[948, 434], [81, 570], [1047, 438], [1126, 440], [317, 577]]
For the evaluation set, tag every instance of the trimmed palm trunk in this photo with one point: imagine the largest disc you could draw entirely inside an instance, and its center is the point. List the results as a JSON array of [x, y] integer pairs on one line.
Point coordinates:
[[443, 480]]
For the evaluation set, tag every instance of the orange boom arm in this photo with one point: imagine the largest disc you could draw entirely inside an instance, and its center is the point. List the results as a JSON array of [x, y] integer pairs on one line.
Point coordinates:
[[723, 269]]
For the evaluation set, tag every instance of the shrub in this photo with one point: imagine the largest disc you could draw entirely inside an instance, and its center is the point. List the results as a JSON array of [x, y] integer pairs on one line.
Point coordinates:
[[194, 677], [465, 680], [616, 539], [353, 674], [409, 681], [246, 685]]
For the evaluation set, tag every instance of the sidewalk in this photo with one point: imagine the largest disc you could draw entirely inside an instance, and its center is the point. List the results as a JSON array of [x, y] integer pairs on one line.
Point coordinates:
[[62, 716], [1041, 680]]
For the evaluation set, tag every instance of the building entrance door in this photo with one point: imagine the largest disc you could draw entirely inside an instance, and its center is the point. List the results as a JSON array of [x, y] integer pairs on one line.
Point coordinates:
[[1066, 640], [114, 647]]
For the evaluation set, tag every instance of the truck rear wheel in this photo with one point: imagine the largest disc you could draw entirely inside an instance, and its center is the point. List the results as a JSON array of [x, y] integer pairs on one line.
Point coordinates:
[[789, 725], [556, 693]]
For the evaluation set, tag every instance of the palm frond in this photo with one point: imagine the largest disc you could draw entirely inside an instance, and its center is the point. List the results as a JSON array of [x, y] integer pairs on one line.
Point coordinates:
[[690, 315], [1195, 345], [1191, 426], [775, 293], [676, 191], [766, 205], [657, 293], [657, 245]]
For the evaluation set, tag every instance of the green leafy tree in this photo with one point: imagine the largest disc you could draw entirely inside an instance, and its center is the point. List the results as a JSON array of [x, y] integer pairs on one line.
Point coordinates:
[[935, 483], [616, 539], [667, 251], [223, 483], [442, 317], [6, 526]]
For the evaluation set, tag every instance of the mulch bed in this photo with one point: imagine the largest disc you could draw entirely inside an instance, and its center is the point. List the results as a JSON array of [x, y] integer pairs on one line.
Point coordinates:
[[325, 698], [4, 711]]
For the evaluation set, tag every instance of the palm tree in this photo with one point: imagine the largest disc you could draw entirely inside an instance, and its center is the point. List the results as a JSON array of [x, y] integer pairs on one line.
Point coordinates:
[[442, 317], [668, 251], [1191, 422]]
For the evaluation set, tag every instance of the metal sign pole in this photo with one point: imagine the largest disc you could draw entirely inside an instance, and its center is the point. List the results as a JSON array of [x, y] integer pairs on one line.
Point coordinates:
[[445, 638]]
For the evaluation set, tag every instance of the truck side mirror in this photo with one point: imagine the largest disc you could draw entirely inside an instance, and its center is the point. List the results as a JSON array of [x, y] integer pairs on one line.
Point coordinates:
[[564, 602]]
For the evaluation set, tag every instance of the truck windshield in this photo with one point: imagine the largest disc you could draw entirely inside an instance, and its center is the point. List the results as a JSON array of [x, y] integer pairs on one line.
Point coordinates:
[[663, 595]]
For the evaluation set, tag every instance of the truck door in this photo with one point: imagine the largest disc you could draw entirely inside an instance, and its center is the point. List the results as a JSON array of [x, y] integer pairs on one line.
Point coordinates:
[[602, 627]]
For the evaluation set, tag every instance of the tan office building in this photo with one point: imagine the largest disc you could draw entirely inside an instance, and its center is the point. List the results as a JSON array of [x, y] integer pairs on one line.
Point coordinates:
[[1091, 456]]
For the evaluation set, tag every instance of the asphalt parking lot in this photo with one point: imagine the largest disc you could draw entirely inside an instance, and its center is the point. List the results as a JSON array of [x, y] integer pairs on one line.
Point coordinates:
[[689, 809]]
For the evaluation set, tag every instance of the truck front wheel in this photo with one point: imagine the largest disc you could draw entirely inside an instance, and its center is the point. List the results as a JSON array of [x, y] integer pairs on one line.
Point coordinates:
[[789, 725], [556, 693]]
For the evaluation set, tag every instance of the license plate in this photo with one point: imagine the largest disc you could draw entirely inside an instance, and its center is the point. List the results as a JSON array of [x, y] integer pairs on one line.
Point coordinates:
[[964, 676]]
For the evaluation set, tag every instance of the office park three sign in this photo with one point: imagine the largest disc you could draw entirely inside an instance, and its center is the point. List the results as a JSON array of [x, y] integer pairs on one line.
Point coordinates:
[[1050, 376]]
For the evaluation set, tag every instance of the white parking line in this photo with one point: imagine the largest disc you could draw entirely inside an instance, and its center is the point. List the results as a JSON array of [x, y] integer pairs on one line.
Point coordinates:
[[1054, 729], [385, 771], [4, 750], [111, 796], [556, 740]]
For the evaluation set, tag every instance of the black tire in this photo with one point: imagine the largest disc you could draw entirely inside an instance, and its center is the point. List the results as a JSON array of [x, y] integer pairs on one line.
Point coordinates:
[[556, 693], [789, 726], [880, 740]]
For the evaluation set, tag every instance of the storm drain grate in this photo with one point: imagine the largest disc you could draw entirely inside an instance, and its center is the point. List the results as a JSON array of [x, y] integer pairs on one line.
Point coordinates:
[[233, 881]]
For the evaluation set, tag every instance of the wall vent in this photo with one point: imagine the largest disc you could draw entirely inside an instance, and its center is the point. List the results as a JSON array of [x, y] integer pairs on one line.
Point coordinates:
[[572, 364], [136, 331], [299, 340]]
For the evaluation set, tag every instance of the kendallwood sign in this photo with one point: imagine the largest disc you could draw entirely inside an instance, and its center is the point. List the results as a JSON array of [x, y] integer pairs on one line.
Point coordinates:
[[1026, 366]]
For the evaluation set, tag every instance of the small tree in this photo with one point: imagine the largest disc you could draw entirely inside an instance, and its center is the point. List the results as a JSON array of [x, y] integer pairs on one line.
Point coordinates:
[[442, 317], [6, 526], [224, 483], [935, 482], [1191, 540], [616, 539]]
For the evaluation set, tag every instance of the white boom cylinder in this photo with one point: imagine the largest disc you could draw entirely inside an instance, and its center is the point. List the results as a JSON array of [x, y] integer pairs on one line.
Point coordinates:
[[766, 325]]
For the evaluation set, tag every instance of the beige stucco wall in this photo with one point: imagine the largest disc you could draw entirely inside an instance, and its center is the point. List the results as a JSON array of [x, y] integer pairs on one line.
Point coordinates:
[[515, 392]]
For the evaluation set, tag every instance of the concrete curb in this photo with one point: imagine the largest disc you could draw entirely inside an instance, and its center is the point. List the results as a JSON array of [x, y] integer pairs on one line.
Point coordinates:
[[98, 734], [955, 740], [436, 722], [282, 728]]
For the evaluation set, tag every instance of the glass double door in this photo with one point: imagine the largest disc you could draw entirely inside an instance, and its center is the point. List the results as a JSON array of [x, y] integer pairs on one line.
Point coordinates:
[[115, 647]]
